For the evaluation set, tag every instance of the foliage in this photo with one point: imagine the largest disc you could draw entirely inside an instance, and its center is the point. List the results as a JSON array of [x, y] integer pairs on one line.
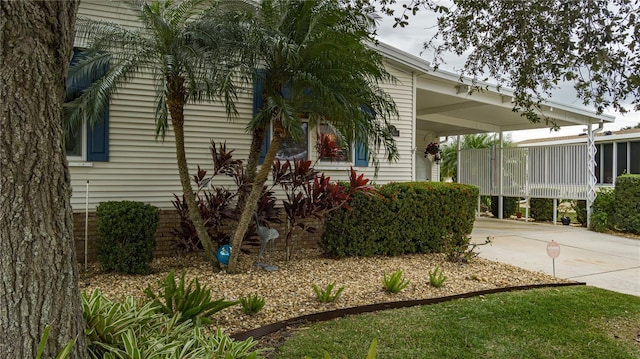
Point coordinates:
[[433, 149], [580, 206], [437, 277], [462, 250], [412, 217], [192, 302], [303, 50], [533, 46], [181, 43], [449, 151], [371, 354], [509, 206], [326, 295], [627, 203], [542, 323], [602, 210], [126, 330], [252, 304], [541, 209], [126, 236], [216, 203], [64, 353], [311, 194], [395, 282]]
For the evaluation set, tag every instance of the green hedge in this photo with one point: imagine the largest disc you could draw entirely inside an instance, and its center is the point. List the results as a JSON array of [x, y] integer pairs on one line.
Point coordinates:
[[541, 209], [627, 203], [412, 217], [580, 206], [509, 206], [602, 211], [126, 233]]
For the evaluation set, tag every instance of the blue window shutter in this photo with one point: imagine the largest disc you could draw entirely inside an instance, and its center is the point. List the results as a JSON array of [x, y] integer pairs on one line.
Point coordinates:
[[258, 103], [98, 134], [362, 155], [98, 140]]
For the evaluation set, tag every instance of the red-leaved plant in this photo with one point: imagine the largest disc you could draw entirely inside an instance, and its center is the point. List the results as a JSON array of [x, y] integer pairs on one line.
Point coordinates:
[[311, 194], [216, 204]]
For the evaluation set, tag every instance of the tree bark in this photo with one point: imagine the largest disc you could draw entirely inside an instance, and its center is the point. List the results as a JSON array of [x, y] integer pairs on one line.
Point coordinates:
[[175, 101], [257, 139], [256, 189], [39, 282]]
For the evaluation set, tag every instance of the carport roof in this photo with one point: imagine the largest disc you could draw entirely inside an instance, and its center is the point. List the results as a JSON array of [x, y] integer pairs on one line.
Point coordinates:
[[445, 107]]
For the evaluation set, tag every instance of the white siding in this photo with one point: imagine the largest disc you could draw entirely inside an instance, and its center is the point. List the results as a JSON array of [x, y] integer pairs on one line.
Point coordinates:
[[143, 169]]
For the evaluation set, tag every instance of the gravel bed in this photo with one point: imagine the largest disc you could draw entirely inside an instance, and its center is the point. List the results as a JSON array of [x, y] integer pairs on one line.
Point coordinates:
[[288, 292]]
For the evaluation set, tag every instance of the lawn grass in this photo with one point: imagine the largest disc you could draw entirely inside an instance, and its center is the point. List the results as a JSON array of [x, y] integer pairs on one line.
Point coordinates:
[[569, 322]]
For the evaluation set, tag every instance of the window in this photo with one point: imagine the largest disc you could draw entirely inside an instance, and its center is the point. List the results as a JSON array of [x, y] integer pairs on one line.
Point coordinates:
[[621, 158], [634, 157], [607, 162], [627, 160], [295, 150], [84, 142], [301, 149], [333, 147]]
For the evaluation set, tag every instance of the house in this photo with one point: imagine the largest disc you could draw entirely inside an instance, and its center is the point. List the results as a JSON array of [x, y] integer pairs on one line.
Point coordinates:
[[121, 159]]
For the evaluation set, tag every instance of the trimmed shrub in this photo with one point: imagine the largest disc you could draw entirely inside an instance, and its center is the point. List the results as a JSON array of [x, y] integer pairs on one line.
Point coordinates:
[[541, 209], [602, 213], [509, 206], [126, 239], [412, 217], [627, 203], [580, 206]]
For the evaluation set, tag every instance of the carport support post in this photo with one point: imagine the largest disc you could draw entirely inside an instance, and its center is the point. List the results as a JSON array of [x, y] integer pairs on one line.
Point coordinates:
[[458, 165], [591, 169], [500, 197]]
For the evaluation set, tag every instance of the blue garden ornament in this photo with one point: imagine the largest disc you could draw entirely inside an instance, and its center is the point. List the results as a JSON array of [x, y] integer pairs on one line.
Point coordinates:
[[223, 254]]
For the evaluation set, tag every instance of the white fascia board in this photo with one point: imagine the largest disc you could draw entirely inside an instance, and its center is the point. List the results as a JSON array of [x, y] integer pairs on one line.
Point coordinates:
[[597, 139], [425, 70]]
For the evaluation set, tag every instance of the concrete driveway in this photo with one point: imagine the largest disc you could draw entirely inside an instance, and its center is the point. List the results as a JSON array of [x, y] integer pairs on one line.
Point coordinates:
[[600, 260]]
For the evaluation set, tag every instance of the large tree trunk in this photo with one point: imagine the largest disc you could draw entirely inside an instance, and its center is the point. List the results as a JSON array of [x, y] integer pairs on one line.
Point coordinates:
[[175, 101], [39, 281], [256, 190]]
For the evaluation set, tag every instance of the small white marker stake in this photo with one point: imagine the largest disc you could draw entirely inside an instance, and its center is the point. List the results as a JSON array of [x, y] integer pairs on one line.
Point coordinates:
[[553, 250]]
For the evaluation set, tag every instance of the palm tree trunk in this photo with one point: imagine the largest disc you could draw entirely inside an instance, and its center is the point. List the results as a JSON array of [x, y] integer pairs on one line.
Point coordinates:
[[175, 102], [252, 165], [252, 200]]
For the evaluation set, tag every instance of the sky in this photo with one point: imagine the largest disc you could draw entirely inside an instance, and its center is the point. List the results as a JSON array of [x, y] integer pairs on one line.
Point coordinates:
[[423, 26]]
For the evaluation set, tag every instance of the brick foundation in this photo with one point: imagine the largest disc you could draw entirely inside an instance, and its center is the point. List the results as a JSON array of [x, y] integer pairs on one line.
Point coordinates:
[[164, 237]]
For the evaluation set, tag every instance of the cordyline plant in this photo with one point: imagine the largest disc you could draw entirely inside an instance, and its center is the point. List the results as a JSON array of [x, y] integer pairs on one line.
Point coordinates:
[[312, 194], [216, 203]]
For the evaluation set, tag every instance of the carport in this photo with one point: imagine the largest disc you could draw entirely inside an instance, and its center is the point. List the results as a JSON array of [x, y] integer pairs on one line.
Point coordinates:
[[445, 107]]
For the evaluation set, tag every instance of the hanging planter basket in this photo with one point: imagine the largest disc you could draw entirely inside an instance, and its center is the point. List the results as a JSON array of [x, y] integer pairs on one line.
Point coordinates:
[[432, 152]]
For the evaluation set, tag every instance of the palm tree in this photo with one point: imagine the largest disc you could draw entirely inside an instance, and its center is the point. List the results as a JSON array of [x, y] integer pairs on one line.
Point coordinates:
[[316, 62], [449, 159], [182, 44]]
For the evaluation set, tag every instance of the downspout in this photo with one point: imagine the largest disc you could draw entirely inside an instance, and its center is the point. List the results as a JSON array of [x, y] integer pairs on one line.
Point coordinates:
[[500, 173], [446, 138], [591, 168]]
